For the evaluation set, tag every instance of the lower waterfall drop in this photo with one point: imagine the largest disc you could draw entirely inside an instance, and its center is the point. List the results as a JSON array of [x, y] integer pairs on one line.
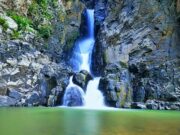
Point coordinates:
[[93, 97], [81, 60]]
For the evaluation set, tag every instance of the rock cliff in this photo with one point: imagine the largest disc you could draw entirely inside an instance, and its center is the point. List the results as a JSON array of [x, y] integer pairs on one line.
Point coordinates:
[[137, 52], [36, 38]]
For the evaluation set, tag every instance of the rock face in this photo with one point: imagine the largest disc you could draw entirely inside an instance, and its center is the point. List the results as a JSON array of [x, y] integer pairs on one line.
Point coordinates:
[[116, 87], [33, 69], [7, 101], [142, 37]]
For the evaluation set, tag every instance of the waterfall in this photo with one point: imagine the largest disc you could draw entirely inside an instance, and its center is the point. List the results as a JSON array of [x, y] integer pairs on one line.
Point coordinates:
[[81, 60]]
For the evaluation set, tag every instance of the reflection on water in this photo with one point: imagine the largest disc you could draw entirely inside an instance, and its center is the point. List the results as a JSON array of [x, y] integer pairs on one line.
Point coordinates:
[[89, 123], [65, 121]]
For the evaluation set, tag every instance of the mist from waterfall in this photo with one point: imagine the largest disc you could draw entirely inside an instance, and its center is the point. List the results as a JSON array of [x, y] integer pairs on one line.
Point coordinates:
[[81, 60]]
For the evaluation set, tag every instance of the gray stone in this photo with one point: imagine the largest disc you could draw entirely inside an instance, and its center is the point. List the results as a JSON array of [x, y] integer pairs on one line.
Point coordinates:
[[33, 99], [11, 23], [14, 94], [82, 78], [150, 104], [73, 97], [138, 105], [7, 101]]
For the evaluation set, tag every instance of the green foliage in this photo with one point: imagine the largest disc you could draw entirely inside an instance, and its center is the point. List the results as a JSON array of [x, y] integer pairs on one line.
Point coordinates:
[[45, 31], [3, 23], [37, 10], [41, 17], [15, 35], [42, 3], [22, 21], [55, 3]]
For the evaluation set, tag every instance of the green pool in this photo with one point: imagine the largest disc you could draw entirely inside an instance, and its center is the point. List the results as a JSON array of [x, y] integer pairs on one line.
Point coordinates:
[[62, 121]]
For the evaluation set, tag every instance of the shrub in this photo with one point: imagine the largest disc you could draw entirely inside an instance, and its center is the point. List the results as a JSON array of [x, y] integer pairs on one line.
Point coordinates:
[[45, 31], [38, 11], [3, 23], [43, 3], [22, 21], [15, 35]]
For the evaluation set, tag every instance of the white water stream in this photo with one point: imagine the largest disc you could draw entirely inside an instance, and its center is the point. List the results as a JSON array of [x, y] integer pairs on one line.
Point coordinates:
[[93, 98]]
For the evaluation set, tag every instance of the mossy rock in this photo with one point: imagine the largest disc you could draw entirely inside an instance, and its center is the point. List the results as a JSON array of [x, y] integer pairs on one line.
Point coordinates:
[[71, 39], [124, 95], [45, 31]]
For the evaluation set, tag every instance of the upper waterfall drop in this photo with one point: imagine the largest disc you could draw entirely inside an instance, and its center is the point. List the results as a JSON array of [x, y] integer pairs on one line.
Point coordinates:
[[90, 18], [81, 60]]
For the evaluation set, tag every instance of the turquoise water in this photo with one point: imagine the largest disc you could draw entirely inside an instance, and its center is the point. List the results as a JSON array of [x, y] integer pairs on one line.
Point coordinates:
[[67, 121]]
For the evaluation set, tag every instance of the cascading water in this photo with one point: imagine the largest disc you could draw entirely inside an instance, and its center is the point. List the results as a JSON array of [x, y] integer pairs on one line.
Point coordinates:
[[81, 60]]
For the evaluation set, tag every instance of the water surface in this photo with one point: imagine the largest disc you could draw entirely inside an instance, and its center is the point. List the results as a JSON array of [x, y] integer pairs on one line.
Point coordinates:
[[65, 121]]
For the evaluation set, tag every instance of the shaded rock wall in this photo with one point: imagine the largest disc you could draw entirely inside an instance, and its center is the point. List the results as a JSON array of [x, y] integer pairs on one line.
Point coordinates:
[[142, 38]]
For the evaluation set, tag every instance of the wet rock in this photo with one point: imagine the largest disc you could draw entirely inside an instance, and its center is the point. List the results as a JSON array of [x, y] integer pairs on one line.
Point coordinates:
[[6, 101], [151, 104], [138, 105], [82, 78], [73, 97]]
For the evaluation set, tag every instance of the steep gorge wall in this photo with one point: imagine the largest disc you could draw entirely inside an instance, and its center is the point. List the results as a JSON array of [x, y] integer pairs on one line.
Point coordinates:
[[137, 52]]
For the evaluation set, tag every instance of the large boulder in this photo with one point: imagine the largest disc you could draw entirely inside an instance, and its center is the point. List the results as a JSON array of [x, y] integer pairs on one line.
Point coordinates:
[[82, 78], [73, 97]]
